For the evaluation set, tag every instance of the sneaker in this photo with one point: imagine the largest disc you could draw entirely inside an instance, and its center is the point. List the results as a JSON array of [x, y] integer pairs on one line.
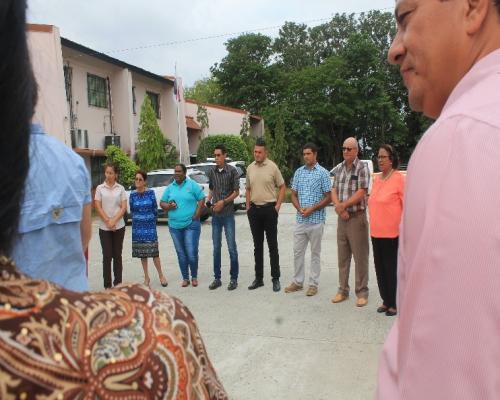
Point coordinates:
[[293, 287], [215, 284], [276, 285], [311, 291], [233, 284]]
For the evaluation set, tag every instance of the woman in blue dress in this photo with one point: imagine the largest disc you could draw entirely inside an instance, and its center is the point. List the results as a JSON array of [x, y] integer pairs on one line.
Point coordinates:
[[144, 210]]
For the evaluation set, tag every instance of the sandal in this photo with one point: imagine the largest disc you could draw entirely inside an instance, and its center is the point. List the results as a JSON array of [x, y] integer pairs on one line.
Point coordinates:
[[164, 282], [185, 283], [195, 282], [147, 282]]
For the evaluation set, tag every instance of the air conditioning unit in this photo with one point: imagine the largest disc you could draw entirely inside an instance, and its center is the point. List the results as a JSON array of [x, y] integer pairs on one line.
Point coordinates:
[[80, 138], [111, 140]]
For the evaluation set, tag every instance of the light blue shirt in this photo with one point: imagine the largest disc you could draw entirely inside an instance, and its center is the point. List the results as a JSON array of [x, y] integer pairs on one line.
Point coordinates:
[[49, 243], [186, 195], [311, 186]]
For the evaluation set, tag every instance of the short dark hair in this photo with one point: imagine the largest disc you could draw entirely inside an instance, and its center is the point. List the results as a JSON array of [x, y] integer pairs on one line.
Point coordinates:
[[310, 146], [393, 155], [221, 147], [184, 169], [143, 174], [260, 142], [113, 166]]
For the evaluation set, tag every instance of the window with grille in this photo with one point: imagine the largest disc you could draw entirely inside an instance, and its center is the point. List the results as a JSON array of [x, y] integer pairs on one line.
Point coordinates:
[[155, 102], [97, 91]]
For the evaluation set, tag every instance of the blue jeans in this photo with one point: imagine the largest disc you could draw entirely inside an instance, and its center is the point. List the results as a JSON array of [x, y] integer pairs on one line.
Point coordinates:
[[186, 241], [226, 222]]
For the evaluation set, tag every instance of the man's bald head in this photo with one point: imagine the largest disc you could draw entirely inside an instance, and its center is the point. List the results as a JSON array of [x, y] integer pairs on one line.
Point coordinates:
[[350, 149]]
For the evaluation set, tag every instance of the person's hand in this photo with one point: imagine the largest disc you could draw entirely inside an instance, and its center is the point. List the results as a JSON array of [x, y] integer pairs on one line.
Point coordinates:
[[172, 205], [344, 215], [307, 211], [217, 207], [340, 208], [110, 223], [277, 207]]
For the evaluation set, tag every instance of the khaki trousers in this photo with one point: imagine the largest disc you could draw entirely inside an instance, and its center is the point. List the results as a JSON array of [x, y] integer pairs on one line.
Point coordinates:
[[352, 240]]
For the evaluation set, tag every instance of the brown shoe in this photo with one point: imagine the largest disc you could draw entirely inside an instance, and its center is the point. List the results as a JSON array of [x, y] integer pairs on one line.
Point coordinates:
[[361, 302], [339, 297], [293, 287], [311, 291]]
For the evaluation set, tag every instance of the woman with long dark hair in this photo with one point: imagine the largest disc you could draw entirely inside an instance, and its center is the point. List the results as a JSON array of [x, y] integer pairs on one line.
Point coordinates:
[[55, 343]]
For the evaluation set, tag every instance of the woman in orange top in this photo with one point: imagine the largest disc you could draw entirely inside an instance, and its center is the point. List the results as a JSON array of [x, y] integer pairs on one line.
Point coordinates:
[[386, 205]]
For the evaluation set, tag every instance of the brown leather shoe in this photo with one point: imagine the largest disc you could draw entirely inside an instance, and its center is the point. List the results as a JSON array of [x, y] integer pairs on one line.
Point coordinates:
[[311, 291], [293, 287], [361, 302], [339, 297]]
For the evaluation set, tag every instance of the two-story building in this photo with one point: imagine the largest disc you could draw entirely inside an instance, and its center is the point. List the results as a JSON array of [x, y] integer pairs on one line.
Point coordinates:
[[89, 100], [222, 120]]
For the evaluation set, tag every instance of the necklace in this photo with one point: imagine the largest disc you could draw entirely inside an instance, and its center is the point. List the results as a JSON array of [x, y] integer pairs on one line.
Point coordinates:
[[384, 178]]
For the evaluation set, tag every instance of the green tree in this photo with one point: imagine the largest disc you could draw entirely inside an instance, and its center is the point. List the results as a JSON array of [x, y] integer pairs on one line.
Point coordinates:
[[154, 151], [206, 90], [244, 74], [235, 146], [127, 168], [202, 116]]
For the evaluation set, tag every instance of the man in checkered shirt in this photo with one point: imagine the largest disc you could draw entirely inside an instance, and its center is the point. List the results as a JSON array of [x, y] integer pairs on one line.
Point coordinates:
[[311, 193], [350, 188]]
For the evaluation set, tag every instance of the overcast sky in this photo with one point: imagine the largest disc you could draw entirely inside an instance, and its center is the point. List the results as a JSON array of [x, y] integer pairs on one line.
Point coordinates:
[[110, 26]]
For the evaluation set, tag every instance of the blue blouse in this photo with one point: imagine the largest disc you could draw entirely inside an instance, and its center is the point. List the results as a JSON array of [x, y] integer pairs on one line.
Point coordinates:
[[144, 210]]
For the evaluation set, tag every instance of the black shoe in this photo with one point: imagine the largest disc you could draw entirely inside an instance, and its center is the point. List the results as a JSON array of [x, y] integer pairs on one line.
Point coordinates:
[[276, 285], [256, 284], [215, 284], [233, 284]]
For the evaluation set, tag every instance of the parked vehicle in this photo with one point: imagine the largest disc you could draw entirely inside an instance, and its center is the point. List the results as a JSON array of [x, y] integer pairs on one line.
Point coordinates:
[[239, 202], [159, 179]]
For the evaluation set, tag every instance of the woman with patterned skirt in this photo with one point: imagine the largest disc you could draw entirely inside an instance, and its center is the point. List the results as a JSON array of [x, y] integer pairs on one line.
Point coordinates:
[[144, 210]]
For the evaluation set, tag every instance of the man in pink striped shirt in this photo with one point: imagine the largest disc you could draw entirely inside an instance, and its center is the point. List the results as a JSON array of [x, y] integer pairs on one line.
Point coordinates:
[[445, 343]]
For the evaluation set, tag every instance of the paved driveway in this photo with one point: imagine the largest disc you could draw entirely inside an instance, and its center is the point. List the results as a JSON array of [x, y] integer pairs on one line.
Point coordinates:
[[266, 345]]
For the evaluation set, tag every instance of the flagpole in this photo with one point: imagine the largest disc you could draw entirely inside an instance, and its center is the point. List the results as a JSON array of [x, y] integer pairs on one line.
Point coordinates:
[[177, 100]]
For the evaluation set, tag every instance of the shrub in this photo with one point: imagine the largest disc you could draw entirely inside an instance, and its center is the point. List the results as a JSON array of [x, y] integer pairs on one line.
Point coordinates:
[[236, 148], [126, 166]]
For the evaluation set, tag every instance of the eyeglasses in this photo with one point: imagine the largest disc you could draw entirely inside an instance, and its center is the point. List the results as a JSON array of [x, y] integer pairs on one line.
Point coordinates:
[[139, 179], [382, 157], [347, 148]]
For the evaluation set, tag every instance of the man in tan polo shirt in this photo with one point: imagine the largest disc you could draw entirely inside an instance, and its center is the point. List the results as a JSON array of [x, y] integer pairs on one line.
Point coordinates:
[[264, 195]]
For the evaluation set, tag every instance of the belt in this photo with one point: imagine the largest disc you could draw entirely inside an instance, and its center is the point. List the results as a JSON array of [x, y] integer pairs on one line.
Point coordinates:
[[265, 205], [356, 213]]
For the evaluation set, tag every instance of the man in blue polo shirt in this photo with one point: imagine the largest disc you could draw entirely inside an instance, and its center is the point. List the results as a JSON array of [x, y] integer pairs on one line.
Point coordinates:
[[183, 199], [311, 193]]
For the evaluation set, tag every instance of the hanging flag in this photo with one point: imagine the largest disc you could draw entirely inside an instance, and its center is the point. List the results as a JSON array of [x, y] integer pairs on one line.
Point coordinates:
[[178, 90]]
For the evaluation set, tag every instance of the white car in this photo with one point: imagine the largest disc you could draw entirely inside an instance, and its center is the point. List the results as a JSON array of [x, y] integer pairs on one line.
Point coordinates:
[[239, 202], [159, 179]]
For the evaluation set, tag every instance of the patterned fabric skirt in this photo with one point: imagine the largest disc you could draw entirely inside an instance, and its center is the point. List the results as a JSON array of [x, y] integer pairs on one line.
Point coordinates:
[[145, 250]]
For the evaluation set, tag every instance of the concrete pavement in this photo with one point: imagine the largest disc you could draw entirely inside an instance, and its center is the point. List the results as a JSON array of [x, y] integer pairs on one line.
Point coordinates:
[[267, 345]]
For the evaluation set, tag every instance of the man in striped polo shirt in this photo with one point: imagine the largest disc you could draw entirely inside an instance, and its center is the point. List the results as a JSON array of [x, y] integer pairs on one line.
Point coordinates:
[[311, 193], [224, 185]]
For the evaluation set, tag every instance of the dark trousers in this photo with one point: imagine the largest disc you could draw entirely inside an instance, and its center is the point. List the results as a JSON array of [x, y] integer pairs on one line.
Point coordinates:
[[112, 245], [385, 255], [264, 220]]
